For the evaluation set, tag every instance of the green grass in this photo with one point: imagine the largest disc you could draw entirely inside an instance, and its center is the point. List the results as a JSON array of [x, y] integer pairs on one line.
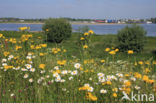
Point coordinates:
[[49, 91], [99, 43]]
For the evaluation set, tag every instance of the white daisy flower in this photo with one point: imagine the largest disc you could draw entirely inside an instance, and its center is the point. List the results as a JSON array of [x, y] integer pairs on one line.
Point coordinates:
[[63, 80], [23, 69], [133, 78], [86, 85], [64, 72], [12, 94], [103, 91], [47, 76], [28, 66], [39, 81], [4, 64], [90, 89], [64, 89], [70, 78], [58, 79], [100, 74], [55, 74], [74, 72], [11, 56], [4, 60], [28, 57], [137, 87], [32, 69], [77, 65], [26, 76], [30, 80], [56, 67], [42, 71]]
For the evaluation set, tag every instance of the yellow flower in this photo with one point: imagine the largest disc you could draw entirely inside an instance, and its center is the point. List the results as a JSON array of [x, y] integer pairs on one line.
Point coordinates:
[[108, 82], [107, 49], [127, 75], [114, 95], [43, 45], [1, 35], [12, 40], [63, 62], [42, 54], [140, 62], [56, 50], [112, 52], [64, 50], [81, 68], [115, 89], [38, 47], [85, 46], [127, 83], [116, 50], [147, 70], [102, 61], [23, 28], [151, 81], [91, 31], [145, 78], [82, 38], [137, 75], [42, 66], [47, 29], [130, 52], [7, 67], [86, 34], [6, 53], [135, 63], [18, 47], [154, 63], [147, 62], [91, 97], [32, 46], [126, 90]]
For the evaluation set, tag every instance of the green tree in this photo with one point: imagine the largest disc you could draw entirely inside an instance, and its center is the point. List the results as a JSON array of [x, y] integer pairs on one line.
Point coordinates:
[[131, 38], [57, 29]]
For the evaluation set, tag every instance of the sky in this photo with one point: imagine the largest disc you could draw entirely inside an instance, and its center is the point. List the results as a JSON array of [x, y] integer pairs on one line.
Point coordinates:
[[92, 9]]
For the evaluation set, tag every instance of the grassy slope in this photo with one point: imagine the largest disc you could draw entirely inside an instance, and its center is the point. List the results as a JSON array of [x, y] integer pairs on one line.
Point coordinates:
[[99, 43], [53, 94]]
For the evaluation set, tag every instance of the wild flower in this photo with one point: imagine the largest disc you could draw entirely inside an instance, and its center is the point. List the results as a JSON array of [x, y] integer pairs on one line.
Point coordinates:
[[86, 34], [32, 69], [107, 49], [30, 80], [26, 76], [77, 65], [70, 78], [114, 95], [75, 72], [112, 52], [91, 97], [103, 91], [85, 46], [91, 31], [130, 51], [28, 66], [42, 66], [82, 38]]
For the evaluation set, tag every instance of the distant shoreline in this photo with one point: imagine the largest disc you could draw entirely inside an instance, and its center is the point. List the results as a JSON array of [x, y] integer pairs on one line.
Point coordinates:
[[74, 23]]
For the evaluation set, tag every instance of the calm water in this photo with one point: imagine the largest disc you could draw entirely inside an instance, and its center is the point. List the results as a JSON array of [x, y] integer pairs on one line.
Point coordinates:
[[98, 29]]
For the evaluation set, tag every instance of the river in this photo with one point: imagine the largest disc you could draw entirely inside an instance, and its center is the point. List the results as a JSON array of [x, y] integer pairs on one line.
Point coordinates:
[[100, 29]]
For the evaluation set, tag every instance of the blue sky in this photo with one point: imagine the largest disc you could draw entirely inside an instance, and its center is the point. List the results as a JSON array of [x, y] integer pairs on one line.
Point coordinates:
[[95, 9]]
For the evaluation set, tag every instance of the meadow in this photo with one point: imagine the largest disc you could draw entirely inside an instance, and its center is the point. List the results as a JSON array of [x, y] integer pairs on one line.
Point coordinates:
[[85, 68]]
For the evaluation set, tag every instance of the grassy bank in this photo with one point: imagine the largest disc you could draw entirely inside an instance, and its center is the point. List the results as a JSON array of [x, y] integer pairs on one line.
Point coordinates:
[[99, 43], [33, 70]]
